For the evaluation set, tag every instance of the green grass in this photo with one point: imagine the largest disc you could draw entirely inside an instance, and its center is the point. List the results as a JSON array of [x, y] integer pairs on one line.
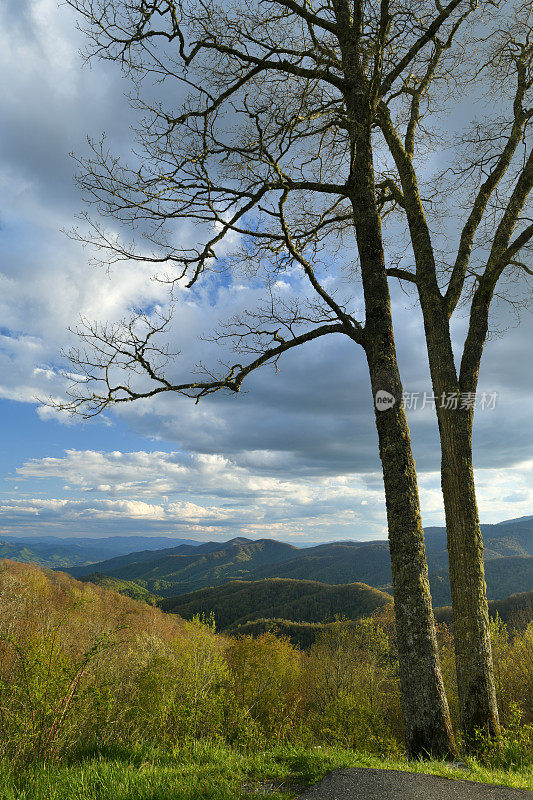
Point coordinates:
[[212, 772]]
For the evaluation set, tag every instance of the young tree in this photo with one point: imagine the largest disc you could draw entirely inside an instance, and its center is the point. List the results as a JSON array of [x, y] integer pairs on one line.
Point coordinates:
[[276, 143]]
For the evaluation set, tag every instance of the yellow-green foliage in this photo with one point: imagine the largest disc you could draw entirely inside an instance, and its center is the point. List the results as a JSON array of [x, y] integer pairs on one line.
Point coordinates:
[[447, 663], [170, 689], [513, 667], [352, 685], [83, 669], [63, 646], [265, 682], [512, 653]]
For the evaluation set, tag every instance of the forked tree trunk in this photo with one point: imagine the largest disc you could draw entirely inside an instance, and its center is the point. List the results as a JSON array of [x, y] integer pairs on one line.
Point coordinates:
[[465, 548], [475, 675], [428, 728]]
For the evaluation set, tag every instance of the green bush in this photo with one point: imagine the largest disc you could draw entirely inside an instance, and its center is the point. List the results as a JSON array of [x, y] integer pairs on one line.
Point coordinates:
[[41, 700], [513, 750], [352, 687], [265, 684]]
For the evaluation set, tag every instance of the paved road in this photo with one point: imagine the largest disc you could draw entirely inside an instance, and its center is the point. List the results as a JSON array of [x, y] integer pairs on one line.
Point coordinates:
[[384, 784]]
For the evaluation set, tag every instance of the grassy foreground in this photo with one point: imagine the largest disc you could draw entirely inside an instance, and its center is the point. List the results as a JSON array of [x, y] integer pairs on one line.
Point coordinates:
[[213, 772]]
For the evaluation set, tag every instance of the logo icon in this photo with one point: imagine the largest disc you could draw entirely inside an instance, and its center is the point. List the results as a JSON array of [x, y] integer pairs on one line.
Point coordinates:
[[384, 400]]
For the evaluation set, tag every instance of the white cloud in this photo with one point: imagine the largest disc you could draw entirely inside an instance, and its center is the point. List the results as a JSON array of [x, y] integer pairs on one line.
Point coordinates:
[[293, 455], [188, 490], [205, 495]]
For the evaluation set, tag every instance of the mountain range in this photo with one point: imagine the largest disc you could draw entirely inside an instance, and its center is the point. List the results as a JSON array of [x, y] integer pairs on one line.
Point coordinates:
[[53, 551], [251, 586], [179, 570]]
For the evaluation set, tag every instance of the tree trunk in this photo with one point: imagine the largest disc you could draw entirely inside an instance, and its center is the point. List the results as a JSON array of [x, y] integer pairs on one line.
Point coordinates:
[[427, 722], [473, 656], [428, 728], [465, 548]]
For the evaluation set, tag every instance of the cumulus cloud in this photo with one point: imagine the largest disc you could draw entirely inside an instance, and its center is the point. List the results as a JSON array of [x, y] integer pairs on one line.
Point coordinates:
[[194, 492], [211, 495], [98, 516], [297, 451]]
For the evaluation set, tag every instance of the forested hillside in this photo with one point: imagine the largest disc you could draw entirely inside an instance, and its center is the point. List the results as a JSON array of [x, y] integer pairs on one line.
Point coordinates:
[[302, 610], [516, 611], [194, 568], [129, 588], [504, 576], [239, 602]]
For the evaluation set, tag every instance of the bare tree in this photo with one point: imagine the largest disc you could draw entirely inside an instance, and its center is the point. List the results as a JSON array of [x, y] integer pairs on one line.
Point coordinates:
[[276, 143], [496, 162]]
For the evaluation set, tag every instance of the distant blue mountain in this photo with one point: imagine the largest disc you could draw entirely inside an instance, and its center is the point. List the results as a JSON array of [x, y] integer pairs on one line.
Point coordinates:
[[56, 552]]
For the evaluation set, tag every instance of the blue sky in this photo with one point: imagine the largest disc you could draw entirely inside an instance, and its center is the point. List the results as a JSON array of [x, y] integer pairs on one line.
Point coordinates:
[[292, 458]]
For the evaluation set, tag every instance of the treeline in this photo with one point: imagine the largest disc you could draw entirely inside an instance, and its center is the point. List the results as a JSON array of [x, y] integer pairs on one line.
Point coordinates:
[[300, 634], [516, 611], [302, 609], [83, 670]]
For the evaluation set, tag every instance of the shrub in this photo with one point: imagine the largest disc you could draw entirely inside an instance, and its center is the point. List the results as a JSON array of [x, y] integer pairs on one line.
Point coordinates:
[[265, 683], [513, 750], [352, 688], [517, 674], [40, 698]]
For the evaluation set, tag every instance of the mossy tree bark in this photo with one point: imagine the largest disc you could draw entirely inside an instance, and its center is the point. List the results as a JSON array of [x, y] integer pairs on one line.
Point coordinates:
[[475, 674], [428, 729], [473, 658]]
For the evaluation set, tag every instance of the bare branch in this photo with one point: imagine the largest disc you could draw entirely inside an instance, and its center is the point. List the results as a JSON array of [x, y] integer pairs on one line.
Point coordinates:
[[353, 328], [502, 253], [500, 167], [428, 36], [124, 349]]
